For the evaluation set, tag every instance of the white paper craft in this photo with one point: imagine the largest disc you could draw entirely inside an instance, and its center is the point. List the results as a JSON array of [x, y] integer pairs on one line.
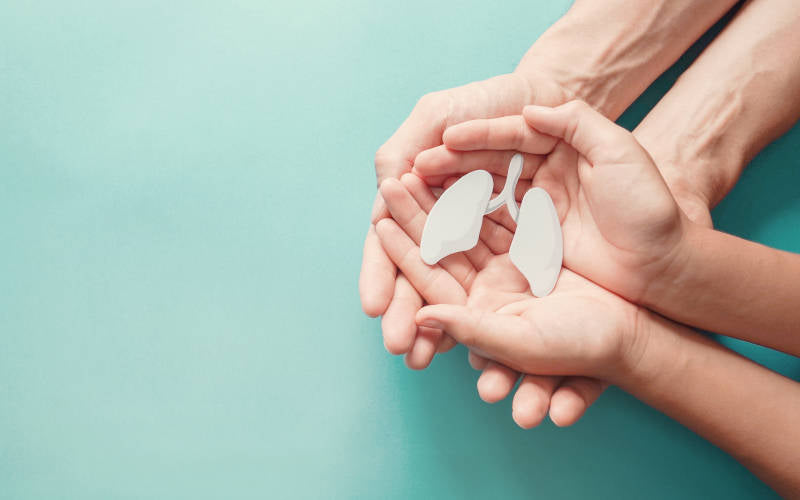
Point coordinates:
[[454, 224]]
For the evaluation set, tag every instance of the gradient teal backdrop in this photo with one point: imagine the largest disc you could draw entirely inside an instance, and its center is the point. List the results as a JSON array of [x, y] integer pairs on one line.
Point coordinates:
[[184, 191]]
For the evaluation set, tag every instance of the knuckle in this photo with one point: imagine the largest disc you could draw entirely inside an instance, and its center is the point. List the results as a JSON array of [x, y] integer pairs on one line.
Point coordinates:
[[381, 156], [469, 277], [572, 125], [518, 137], [429, 100], [576, 105], [431, 280]]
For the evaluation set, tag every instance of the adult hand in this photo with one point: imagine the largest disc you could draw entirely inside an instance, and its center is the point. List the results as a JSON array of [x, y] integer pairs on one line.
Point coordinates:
[[593, 73], [379, 283], [579, 329]]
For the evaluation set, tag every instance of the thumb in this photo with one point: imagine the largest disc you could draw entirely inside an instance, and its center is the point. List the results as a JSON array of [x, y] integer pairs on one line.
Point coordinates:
[[502, 337], [591, 134]]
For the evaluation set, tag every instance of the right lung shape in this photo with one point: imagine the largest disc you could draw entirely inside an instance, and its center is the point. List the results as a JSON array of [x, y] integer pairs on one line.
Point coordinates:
[[537, 247], [454, 223]]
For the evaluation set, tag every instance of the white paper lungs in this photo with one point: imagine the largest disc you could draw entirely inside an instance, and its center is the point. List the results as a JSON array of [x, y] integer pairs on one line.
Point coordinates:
[[454, 223], [537, 248]]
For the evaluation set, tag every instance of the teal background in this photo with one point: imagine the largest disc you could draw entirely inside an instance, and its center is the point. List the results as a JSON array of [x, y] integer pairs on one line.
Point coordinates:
[[184, 191]]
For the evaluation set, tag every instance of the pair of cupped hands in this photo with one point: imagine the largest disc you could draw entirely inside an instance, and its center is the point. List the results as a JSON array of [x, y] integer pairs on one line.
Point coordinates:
[[622, 231]]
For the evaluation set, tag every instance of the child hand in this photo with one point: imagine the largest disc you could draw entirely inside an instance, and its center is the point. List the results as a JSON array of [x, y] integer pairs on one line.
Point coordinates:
[[621, 225], [482, 278]]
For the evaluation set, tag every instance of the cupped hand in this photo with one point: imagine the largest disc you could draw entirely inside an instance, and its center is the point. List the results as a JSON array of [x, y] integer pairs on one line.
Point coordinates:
[[383, 291], [622, 227], [483, 279], [579, 329]]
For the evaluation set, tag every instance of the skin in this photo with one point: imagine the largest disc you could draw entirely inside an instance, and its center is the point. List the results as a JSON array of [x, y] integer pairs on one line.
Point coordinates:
[[733, 402], [582, 329], [623, 230], [692, 281], [482, 278], [702, 133], [573, 186], [732, 286], [740, 94], [615, 64], [620, 223]]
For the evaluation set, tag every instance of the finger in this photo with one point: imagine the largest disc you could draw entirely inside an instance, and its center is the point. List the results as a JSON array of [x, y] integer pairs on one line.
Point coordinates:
[[411, 218], [421, 130], [420, 190], [452, 180], [503, 219], [496, 382], [476, 361], [398, 325], [502, 337], [504, 133], [532, 400], [522, 187], [379, 210], [594, 136], [495, 236], [477, 255], [433, 181], [571, 400], [376, 281], [435, 284], [424, 348], [446, 344], [404, 208], [441, 160]]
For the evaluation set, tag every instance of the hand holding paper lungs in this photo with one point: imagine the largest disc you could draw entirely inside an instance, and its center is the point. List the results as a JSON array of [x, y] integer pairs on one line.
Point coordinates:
[[454, 224]]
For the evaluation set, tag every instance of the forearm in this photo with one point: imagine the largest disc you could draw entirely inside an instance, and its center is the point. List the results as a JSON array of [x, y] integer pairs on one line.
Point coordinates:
[[735, 287], [739, 95], [740, 406], [607, 53]]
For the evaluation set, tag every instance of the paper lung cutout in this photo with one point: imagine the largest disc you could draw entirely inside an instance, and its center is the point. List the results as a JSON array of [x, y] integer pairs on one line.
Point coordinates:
[[454, 225], [537, 248]]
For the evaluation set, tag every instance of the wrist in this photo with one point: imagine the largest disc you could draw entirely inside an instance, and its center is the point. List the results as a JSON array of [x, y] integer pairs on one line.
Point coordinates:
[[656, 356], [702, 162], [688, 179], [582, 78], [607, 53], [677, 268], [607, 64]]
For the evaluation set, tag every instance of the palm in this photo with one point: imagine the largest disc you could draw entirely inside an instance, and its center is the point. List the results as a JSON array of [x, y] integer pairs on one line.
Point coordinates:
[[619, 220], [581, 317], [421, 132], [617, 229], [603, 321], [577, 313], [482, 278]]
